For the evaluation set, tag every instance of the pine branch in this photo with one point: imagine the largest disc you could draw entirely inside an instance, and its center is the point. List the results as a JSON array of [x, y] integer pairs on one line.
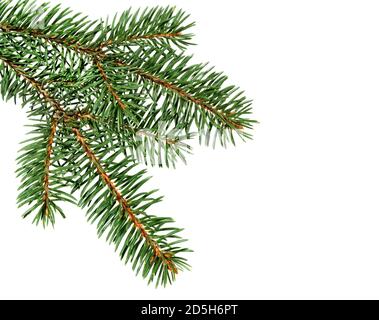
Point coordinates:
[[158, 258], [103, 96], [182, 93], [90, 37], [126, 210], [156, 26], [41, 186], [193, 94]]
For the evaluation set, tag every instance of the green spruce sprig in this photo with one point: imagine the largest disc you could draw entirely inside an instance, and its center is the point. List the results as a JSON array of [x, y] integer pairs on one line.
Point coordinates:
[[103, 96]]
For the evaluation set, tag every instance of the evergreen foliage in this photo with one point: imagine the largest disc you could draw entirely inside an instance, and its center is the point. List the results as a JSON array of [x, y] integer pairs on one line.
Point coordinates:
[[103, 96]]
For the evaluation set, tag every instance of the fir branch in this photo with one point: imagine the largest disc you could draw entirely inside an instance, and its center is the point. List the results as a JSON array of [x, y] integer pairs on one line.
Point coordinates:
[[193, 94], [126, 210], [157, 26], [151, 24], [42, 186], [104, 95], [186, 95], [164, 259]]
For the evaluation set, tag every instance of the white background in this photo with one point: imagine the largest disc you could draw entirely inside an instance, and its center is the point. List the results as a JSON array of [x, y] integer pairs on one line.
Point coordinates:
[[291, 214]]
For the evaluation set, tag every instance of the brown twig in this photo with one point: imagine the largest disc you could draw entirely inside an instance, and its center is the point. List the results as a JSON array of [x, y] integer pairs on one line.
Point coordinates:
[[145, 37], [36, 84], [49, 153], [59, 111], [110, 88], [127, 211], [155, 36], [185, 95], [70, 43]]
